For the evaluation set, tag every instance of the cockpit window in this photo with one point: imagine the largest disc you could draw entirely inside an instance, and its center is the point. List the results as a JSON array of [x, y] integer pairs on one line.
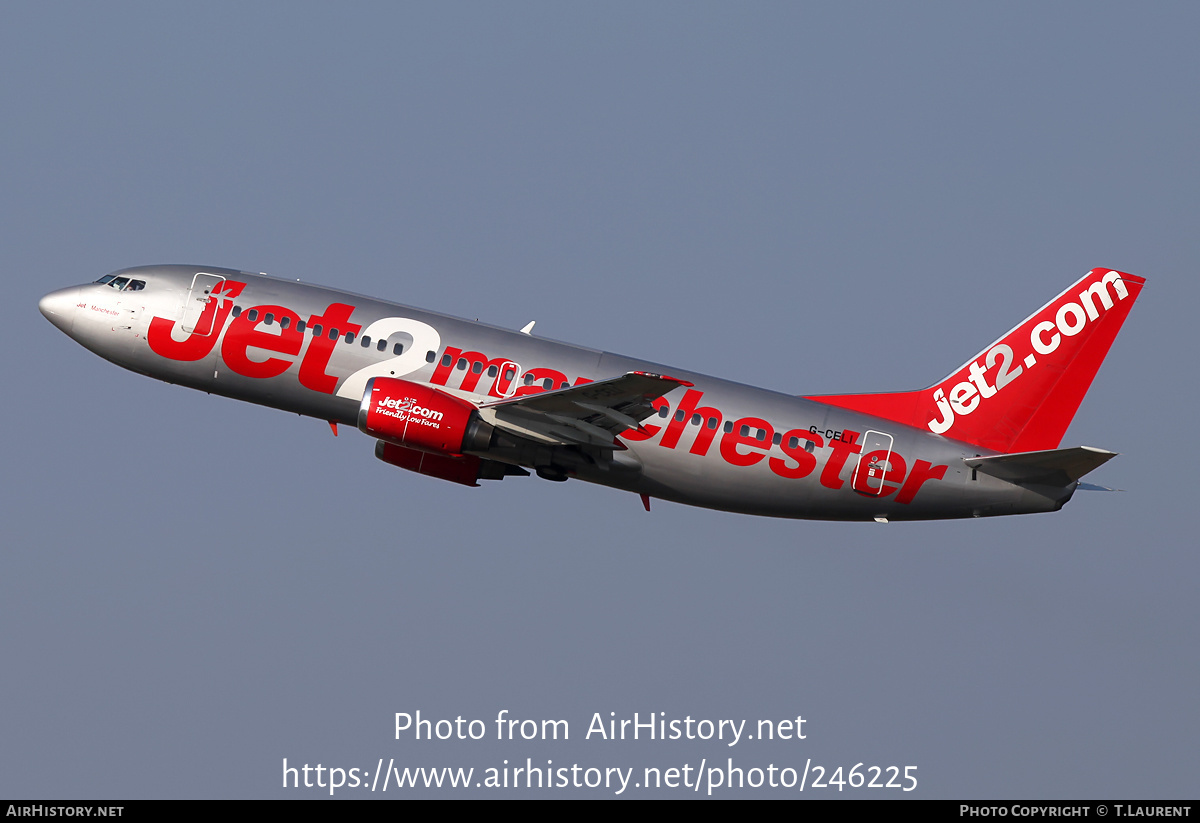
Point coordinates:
[[122, 283]]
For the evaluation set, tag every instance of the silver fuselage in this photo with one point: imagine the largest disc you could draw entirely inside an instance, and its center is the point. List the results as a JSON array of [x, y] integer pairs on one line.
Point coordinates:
[[767, 453]]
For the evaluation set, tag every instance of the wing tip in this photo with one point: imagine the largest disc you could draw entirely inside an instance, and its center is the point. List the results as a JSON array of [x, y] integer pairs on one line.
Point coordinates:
[[665, 377]]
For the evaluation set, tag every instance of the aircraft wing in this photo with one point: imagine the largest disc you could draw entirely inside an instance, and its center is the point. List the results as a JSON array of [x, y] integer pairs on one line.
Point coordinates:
[[588, 414]]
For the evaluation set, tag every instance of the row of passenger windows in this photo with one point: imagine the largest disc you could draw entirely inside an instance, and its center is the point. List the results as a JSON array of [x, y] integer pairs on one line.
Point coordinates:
[[317, 330], [509, 373], [745, 431], [477, 368]]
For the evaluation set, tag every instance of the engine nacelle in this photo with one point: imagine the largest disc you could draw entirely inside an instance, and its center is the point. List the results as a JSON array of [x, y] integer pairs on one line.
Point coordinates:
[[464, 469], [420, 417]]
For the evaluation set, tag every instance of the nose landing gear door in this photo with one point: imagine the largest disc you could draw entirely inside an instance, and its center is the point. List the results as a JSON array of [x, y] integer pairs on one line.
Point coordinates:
[[197, 318]]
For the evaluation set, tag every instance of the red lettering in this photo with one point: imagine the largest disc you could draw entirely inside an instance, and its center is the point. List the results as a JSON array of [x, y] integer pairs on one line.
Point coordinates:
[[471, 378], [704, 434], [805, 460], [922, 471], [320, 348], [734, 438], [442, 373], [243, 334], [196, 346], [471, 358], [843, 447]]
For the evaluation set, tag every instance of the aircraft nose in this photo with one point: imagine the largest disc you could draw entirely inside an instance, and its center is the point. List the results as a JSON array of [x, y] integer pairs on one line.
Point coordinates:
[[59, 307]]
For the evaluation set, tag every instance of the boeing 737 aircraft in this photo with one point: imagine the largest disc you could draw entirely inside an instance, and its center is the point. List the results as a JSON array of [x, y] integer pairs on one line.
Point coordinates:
[[465, 401]]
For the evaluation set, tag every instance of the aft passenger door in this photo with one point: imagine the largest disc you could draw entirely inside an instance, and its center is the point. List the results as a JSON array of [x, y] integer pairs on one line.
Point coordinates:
[[869, 473]]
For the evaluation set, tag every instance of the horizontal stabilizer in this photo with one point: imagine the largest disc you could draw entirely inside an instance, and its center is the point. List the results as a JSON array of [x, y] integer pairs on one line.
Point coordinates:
[[1055, 467]]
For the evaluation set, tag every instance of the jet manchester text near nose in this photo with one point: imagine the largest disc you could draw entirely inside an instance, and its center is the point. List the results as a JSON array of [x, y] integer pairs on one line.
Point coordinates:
[[464, 401]]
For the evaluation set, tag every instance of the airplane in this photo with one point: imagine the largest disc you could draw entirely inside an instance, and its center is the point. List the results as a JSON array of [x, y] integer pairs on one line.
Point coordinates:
[[466, 401]]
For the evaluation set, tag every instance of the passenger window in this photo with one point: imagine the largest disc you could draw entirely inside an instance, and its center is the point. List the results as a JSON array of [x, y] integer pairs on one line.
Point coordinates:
[[446, 360], [493, 371], [269, 319], [334, 334], [366, 341], [810, 446], [548, 383], [777, 439], [745, 430], [301, 325], [712, 422], [462, 364], [564, 385], [664, 412], [508, 374], [382, 346], [430, 356], [528, 379], [679, 415], [252, 316], [476, 367], [398, 348], [793, 442], [349, 337], [728, 426], [316, 329], [696, 419], [237, 311], [284, 322], [762, 435]]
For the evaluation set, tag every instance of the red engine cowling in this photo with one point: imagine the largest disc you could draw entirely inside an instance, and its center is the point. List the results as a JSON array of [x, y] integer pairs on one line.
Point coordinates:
[[416, 416], [463, 469]]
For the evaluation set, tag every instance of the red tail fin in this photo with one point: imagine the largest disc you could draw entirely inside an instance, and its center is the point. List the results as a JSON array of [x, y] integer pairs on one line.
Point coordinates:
[[1020, 393]]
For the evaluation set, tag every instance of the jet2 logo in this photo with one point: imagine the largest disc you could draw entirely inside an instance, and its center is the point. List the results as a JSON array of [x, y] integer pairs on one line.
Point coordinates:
[[407, 409], [1047, 332]]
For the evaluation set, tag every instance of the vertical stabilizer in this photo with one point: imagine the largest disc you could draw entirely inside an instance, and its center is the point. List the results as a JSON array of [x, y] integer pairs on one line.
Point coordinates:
[[1021, 392]]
